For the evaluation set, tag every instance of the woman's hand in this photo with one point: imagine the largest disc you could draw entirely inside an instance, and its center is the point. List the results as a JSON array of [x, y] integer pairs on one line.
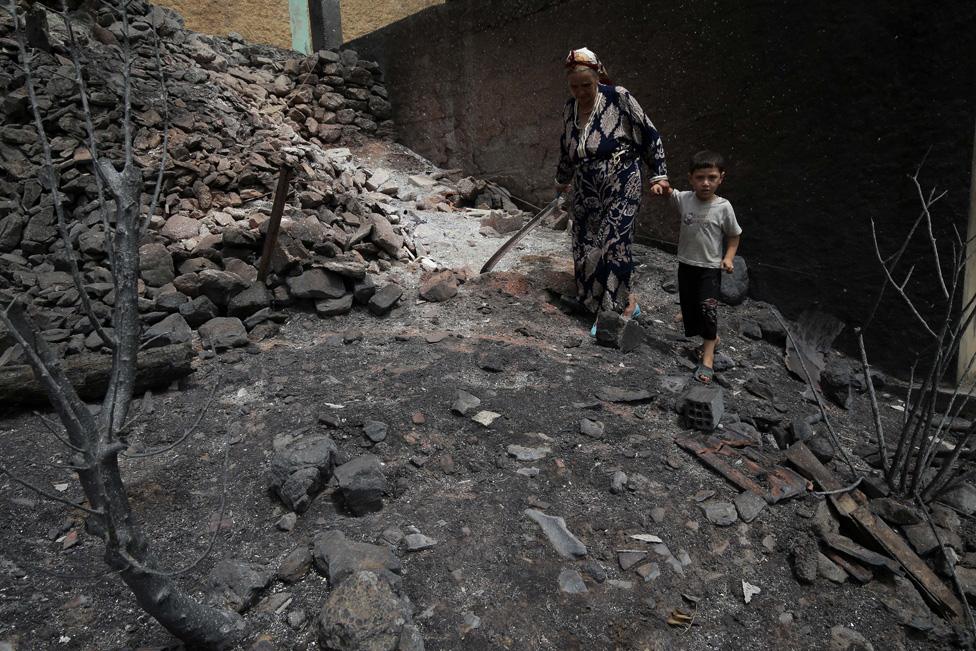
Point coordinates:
[[563, 188], [661, 187]]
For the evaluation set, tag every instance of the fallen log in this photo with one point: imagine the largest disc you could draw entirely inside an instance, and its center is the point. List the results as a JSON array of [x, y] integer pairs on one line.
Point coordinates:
[[89, 374]]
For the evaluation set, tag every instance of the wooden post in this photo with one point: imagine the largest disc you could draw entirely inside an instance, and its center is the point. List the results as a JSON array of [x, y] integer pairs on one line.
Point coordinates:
[[967, 345], [277, 210]]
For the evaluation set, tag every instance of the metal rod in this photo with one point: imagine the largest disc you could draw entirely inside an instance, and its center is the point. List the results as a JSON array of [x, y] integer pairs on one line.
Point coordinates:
[[277, 210]]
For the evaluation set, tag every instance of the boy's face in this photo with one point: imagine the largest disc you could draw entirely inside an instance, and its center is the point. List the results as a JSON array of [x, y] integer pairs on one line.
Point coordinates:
[[705, 182]]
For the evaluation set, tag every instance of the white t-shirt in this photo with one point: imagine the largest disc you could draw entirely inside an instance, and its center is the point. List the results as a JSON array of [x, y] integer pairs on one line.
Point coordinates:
[[703, 228]]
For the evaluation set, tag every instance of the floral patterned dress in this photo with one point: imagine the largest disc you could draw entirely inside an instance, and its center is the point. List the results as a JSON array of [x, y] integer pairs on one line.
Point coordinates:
[[602, 159]]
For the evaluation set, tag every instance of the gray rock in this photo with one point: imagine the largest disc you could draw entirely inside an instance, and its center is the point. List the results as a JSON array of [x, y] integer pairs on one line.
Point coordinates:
[[894, 511], [749, 505], [750, 329], [722, 514], [223, 333], [527, 454], [363, 290], [734, 287], [198, 311], [415, 542], [565, 543], [362, 484], [571, 582], [616, 394], [363, 614], [287, 522], [237, 584], [439, 287], [247, 302], [385, 237], [11, 229], [649, 571], [805, 559], [465, 403], [962, 498], [334, 306], [339, 558], [375, 430], [384, 299], [618, 483], [180, 227], [829, 569], [219, 286], [628, 559], [301, 469], [592, 428], [316, 284], [845, 639], [595, 570], [172, 330], [155, 265], [295, 565]]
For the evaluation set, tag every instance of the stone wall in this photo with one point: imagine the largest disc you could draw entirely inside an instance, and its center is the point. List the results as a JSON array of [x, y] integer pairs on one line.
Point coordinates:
[[259, 21], [822, 110]]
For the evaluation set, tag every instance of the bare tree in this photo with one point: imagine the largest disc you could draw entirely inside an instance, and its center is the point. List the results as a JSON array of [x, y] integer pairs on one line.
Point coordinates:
[[923, 464], [94, 441]]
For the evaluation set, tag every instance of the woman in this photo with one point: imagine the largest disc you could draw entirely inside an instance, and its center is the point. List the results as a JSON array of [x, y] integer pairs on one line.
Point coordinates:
[[606, 134]]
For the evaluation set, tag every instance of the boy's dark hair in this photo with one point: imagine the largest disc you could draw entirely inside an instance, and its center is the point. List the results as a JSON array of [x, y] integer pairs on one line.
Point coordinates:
[[705, 159]]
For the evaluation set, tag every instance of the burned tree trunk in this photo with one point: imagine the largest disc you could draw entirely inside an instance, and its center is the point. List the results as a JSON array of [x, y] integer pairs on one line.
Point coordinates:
[[95, 441]]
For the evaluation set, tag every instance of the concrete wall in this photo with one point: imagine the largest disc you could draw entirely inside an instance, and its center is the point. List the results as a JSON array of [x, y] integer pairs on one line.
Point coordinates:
[[822, 109], [363, 16], [261, 21]]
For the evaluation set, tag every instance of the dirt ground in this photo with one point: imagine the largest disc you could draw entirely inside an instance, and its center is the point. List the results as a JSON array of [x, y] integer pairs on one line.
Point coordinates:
[[503, 339]]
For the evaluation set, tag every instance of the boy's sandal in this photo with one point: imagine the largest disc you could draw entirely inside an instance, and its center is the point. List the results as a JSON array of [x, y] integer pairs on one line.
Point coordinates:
[[704, 374]]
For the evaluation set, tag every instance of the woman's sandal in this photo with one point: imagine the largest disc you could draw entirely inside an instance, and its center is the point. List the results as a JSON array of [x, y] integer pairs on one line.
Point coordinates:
[[704, 374]]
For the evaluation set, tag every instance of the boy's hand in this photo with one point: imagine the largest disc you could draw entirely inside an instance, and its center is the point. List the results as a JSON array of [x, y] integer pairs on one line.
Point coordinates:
[[727, 265], [661, 188]]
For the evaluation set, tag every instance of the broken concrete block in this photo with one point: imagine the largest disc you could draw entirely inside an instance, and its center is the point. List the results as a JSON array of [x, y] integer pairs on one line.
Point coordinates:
[[702, 407]]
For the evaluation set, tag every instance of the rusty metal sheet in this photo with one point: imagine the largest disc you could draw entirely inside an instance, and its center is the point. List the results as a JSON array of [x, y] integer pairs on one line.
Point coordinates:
[[784, 484]]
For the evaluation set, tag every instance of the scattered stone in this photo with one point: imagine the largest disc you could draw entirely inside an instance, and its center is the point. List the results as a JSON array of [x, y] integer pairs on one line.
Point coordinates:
[[375, 430], [362, 484], [592, 428], [287, 522], [363, 614], [439, 287], [618, 482], [734, 287], [595, 570], [295, 565], [565, 543], [385, 299], [722, 514], [829, 569], [237, 584], [416, 542], [301, 469], [465, 403], [527, 454], [749, 591], [962, 498], [486, 418], [571, 582], [805, 559], [894, 511], [334, 306], [749, 505], [845, 639], [629, 558], [649, 571], [338, 558], [297, 618], [223, 333], [172, 330], [616, 394]]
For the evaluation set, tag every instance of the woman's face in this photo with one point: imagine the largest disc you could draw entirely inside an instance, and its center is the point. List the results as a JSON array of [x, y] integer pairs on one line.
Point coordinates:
[[582, 86]]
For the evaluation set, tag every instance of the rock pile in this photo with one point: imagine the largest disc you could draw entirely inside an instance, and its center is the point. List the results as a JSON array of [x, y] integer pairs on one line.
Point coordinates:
[[237, 113]]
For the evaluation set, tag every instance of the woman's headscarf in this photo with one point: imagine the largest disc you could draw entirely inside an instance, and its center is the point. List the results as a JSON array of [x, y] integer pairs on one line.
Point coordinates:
[[587, 58]]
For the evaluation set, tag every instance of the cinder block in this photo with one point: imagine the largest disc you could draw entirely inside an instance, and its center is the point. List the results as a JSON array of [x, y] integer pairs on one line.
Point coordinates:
[[702, 407]]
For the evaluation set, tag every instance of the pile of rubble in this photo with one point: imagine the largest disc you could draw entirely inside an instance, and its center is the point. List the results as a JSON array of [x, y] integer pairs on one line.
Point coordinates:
[[237, 114]]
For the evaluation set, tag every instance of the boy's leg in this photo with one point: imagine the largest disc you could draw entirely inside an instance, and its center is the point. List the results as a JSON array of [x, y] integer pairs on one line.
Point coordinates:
[[688, 295], [709, 287]]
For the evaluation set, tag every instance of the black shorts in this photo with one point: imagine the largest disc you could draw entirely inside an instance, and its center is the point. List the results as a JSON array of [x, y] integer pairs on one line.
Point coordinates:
[[698, 289]]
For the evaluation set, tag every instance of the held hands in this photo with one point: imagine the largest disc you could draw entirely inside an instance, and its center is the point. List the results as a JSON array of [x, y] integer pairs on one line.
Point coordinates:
[[727, 265], [661, 188]]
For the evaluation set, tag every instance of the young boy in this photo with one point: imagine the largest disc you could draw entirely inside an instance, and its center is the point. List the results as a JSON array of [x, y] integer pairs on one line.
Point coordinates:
[[706, 220]]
